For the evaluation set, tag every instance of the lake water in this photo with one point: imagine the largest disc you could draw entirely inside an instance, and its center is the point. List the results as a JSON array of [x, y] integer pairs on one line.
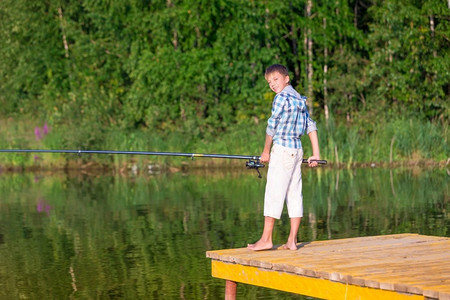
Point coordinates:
[[103, 236]]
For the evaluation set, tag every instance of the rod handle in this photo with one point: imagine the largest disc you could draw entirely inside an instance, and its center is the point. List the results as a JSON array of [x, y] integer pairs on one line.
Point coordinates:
[[320, 162]]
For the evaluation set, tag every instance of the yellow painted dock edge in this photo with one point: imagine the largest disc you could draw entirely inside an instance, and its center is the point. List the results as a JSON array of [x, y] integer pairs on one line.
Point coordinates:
[[293, 283]]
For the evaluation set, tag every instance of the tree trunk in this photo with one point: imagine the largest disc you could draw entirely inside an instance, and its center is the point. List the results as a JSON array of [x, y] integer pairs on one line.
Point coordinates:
[[61, 20], [69, 68], [341, 48], [325, 74], [310, 58], [295, 54], [175, 33], [432, 33], [294, 44]]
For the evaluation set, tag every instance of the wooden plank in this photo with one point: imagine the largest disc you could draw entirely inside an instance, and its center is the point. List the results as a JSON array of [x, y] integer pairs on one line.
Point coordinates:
[[390, 270], [444, 296], [357, 243], [347, 265], [409, 263], [313, 287], [245, 254], [387, 276]]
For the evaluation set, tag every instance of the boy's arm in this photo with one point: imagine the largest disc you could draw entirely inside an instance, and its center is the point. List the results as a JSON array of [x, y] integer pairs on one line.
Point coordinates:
[[315, 147], [265, 155]]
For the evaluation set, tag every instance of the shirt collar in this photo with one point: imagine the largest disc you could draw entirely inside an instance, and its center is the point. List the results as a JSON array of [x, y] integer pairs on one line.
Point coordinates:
[[291, 91]]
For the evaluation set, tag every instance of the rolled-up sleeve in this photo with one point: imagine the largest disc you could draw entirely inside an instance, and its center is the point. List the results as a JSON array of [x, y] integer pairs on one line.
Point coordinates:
[[310, 124]]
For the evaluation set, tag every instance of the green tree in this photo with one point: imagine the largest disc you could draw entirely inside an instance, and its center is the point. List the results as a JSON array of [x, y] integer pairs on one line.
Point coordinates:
[[409, 63], [31, 53]]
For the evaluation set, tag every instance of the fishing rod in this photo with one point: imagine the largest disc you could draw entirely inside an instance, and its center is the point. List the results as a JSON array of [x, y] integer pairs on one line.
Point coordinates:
[[253, 162]]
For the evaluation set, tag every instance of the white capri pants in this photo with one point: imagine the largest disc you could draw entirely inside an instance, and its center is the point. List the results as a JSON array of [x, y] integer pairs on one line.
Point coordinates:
[[284, 182]]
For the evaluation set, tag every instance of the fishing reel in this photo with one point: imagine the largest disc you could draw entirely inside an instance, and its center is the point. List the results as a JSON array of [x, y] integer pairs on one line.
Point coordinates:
[[255, 164]]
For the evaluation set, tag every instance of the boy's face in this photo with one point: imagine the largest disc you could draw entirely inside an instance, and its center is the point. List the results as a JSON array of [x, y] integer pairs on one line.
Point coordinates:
[[277, 82]]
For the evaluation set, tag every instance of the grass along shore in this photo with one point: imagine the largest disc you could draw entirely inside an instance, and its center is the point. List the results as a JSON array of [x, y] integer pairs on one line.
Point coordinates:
[[397, 143]]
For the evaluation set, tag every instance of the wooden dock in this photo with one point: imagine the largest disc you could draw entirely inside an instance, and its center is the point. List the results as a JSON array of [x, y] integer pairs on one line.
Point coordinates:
[[401, 266]]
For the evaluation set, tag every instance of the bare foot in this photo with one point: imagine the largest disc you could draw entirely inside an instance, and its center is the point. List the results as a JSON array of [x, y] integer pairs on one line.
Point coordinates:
[[259, 245], [290, 246]]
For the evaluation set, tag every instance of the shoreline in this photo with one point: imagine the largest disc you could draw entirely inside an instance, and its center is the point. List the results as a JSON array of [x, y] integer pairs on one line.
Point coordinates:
[[186, 166]]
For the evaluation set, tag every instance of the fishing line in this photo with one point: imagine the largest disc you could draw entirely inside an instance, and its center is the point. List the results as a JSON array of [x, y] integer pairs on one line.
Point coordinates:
[[253, 162]]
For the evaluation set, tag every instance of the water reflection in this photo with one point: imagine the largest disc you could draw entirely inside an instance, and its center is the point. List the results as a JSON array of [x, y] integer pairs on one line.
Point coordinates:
[[144, 237]]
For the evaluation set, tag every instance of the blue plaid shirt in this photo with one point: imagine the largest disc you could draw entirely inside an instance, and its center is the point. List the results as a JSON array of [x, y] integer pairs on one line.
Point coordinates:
[[290, 119]]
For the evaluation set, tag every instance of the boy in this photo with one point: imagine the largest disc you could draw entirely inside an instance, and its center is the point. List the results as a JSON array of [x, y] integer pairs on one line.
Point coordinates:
[[288, 122]]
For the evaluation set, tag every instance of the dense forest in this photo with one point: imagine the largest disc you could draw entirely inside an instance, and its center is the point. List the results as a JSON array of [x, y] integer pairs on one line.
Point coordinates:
[[376, 73]]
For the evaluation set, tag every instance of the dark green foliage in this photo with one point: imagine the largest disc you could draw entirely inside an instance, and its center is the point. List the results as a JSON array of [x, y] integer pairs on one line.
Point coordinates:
[[410, 59], [196, 67]]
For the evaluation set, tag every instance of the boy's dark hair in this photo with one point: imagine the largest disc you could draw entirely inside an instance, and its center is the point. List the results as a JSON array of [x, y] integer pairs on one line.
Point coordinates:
[[277, 68]]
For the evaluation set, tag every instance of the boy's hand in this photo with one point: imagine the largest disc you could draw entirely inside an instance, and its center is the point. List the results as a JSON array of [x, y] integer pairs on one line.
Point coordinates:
[[265, 157], [311, 162]]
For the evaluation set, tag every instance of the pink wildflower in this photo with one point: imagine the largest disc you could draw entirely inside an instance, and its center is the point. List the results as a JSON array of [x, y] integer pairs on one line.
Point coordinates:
[[37, 133]]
